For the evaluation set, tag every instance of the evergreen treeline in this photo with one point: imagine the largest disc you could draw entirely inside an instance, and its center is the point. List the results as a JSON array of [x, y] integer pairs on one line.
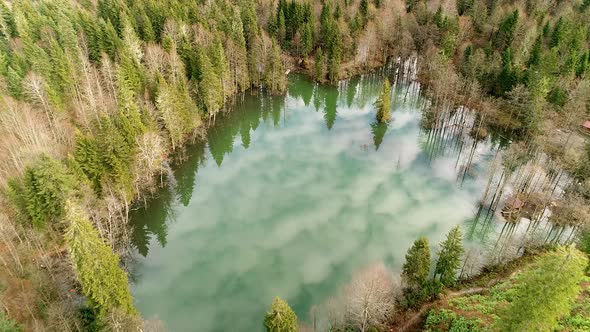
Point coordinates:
[[113, 87]]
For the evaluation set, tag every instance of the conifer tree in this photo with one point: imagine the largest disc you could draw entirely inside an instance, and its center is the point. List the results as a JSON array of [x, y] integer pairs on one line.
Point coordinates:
[[383, 103], [87, 155], [307, 39], [505, 33], [109, 39], [219, 62], [46, 184], [535, 57], [318, 72], [14, 81], [280, 318], [97, 267], [558, 33], [449, 257], [545, 292], [281, 28], [417, 265], [209, 84], [274, 77]]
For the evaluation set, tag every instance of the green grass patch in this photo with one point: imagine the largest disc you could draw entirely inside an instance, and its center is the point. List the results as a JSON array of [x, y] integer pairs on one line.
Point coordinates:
[[447, 320], [8, 325]]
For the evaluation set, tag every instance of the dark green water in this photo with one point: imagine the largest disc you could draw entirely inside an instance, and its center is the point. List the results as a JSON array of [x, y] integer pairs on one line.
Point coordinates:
[[290, 196]]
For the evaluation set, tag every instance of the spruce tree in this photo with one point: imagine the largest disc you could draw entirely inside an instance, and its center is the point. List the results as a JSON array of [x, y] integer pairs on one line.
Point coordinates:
[[47, 184], [558, 33], [535, 57], [281, 28], [505, 33], [97, 267], [383, 103], [545, 292], [87, 155], [318, 72], [274, 77], [417, 266], [14, 82], [415, 272], [307, 39], [449, 257], [280, 318]]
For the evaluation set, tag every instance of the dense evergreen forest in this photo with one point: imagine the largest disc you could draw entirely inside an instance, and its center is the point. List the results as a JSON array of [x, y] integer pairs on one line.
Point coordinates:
[[97, 95]]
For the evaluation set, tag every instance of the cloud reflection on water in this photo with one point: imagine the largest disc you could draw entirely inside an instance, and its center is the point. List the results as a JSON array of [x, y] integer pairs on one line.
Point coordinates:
[[294, 207]]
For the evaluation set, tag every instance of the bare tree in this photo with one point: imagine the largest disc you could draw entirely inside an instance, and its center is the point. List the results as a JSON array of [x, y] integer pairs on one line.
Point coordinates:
[[368, 301]]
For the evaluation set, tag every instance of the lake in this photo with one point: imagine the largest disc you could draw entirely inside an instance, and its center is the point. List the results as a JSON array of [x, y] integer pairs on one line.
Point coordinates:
[[291, 195]]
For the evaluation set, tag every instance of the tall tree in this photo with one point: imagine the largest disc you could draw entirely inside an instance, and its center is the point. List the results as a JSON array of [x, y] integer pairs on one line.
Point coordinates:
[[417, 266], [383, 103], [415, 271], [449, 257], [97, 267], [274, 77], [318, 71]]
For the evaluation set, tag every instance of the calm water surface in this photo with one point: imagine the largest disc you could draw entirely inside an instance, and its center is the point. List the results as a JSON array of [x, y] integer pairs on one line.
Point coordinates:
[[291, 195]]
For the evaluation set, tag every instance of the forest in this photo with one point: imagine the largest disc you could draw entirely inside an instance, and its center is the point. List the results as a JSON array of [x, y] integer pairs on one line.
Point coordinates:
[[97, 96]]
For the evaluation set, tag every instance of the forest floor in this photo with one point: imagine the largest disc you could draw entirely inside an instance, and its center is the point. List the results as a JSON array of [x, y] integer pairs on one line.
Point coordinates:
[[16, 292]]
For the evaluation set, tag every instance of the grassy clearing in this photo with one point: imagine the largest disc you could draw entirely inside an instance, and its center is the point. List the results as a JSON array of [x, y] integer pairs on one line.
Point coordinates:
[[479, 312]]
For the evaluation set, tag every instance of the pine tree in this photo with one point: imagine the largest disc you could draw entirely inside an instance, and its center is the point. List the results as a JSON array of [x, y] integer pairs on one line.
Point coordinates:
[[417, 265], [274, 77], [8, 27], [14, 81], [209, 84], [505, 34], [109, 39], [307, 39], [61, 71], [558, 33], [97, 267], [535, 57], [383, 103], [87, 155], [449, 257], [545, 292], [281, 28], [221, 66], [176, 111], [147, 30], [46, 186], [508, 77], [116, 154], [318, 72], [280, 318]]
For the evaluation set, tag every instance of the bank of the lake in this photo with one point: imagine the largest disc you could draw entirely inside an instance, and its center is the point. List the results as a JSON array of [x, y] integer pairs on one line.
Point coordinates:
[[292, 195]]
